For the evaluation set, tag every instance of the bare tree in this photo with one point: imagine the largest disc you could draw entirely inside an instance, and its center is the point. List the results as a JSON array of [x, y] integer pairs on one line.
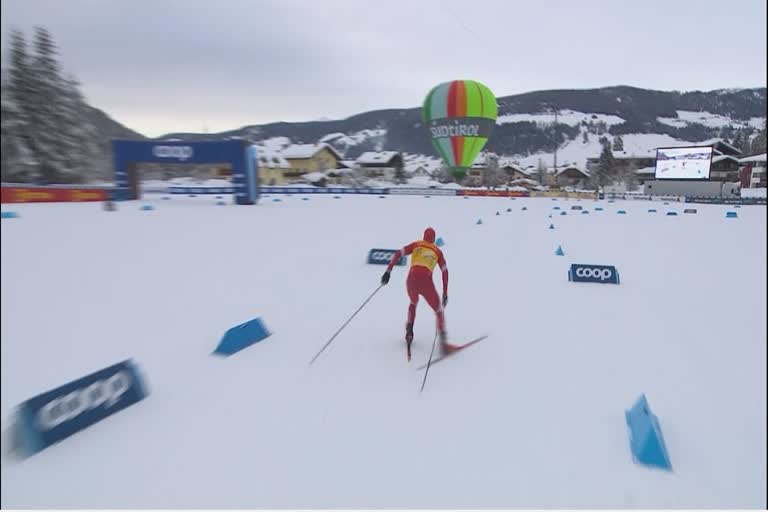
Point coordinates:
[[444, 175], [541, 172], [491, 176]]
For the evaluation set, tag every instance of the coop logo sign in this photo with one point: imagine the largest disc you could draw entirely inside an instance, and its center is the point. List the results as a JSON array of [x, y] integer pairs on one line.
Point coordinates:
[[383, 257], [461, 127], [57, 414], [179, 152], [102, 392], [593, 274]]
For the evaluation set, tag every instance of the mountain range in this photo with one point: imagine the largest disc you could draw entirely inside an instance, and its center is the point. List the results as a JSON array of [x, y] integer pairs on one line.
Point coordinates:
[[525, 125]]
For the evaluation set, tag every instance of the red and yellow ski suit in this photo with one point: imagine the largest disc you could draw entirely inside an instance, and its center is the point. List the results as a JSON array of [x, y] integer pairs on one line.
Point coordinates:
[[425, 255]]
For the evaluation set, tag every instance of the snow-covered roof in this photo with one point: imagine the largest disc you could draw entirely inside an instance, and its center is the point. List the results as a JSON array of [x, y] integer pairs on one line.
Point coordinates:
[[755, 158], [376, 157], [481, 160], [514, 166], [525, 181], [332, 136], [272, 159], [418, 170], [314, 176], [646, 170], [561, 170], [719, 158], [423, 181], [716, 141], [307, 150], [619, 155]]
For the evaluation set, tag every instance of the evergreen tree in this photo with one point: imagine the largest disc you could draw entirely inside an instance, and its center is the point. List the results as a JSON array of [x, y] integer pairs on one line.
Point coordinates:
[[758, 143], [606, 166], [18, 162], [618, 143], [601, 127], [46, 132], [78, 136], [585, 137], [45, 110], [739, 140], [746, 146], [19, 81]]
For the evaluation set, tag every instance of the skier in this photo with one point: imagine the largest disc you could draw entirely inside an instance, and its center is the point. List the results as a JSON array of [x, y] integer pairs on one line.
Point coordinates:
[[425, 255]]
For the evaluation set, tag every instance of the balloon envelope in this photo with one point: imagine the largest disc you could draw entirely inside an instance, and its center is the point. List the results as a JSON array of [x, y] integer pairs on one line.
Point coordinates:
[[460, 116]]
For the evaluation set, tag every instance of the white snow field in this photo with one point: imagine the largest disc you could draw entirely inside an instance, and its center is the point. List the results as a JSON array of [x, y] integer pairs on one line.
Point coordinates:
[[531, 417]]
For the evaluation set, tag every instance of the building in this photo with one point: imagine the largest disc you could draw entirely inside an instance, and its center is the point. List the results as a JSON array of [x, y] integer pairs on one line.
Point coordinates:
[[725, 161], [417, 171], [753, 171], [271, 167], [318, 179], [340, 176], [720, 147], [477, 174], [346, 164], [514, 171], [625, 161], [380, 164], [526, 183], [645, 174], [724, 168], [570, 175], [306, 158]]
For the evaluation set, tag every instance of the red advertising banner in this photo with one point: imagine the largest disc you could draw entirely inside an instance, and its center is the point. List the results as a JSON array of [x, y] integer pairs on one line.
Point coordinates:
[[50, 195]]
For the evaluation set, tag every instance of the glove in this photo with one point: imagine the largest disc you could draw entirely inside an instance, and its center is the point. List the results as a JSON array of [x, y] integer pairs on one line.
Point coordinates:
[[385, 277], [445, 299]]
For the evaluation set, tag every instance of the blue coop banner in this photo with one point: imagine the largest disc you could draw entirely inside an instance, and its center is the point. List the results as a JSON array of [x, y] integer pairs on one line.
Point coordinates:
[[606, 274], [236, 153], [384, 256], [57, 414]]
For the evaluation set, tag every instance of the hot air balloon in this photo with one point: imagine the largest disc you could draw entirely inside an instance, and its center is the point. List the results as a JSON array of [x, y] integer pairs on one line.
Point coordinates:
[[460, 116]]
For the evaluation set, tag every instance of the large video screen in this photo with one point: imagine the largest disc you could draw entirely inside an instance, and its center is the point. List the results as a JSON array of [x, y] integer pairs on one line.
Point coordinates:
[[690, 163]]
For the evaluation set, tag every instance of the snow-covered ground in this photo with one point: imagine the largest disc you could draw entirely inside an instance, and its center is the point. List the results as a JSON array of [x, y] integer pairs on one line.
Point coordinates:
[[753, 192], [352, 139], [531, 417], [685, 117], [570, 117], [577, 151]]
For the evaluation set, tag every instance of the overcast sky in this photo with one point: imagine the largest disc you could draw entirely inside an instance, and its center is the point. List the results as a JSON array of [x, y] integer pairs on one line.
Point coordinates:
[[159, 66]]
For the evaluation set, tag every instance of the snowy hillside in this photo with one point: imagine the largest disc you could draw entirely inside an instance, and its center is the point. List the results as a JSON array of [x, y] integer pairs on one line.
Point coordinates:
[[525, 122], [353, 139], [685, 118], [568, 117], [577, 152]]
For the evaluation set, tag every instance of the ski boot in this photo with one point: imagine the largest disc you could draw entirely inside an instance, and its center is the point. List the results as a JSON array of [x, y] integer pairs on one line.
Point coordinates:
[[445, 347], [408, 338]]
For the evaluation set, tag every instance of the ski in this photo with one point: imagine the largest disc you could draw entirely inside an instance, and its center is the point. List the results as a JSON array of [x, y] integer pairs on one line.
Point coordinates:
[[457, 349]]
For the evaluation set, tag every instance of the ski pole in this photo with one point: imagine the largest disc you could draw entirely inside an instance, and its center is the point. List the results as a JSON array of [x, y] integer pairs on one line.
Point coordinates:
[[345, 324], [429, 361]]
